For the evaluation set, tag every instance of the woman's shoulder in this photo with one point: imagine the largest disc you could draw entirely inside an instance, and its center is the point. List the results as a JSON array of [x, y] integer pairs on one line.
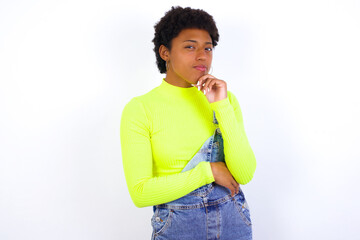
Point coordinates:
[[133, 111], [142, 101]]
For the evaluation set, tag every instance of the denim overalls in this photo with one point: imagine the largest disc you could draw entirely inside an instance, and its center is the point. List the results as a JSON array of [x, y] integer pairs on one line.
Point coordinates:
[[209, 212]]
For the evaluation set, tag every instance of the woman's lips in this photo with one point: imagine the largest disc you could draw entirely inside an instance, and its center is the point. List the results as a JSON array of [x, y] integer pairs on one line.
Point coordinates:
[[201, 68]]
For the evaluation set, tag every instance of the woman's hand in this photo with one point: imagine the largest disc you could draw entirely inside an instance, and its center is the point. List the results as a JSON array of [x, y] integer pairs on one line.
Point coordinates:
[[214, 89], [223, 177]]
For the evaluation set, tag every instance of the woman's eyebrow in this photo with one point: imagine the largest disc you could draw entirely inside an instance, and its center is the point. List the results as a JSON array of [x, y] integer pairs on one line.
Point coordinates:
[[194, 41]]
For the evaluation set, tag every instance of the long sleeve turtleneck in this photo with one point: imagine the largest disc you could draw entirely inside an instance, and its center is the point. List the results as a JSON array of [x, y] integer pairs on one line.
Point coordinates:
[[163, 129]]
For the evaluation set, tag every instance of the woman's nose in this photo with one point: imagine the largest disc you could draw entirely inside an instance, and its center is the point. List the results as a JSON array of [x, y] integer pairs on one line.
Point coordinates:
[[201, 55]]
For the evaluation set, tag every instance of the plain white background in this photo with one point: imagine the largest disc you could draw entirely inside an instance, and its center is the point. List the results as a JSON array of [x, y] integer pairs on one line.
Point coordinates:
[[67, 68]]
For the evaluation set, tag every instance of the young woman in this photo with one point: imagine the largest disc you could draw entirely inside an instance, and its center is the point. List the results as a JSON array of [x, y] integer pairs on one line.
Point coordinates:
[[183, 143]]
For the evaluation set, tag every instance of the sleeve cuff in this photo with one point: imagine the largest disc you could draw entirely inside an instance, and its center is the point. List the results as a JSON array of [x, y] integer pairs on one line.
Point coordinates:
[[224, 103]]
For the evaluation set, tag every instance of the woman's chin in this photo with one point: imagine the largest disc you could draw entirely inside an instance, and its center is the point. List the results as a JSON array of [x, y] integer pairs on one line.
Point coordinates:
[[193, 79]]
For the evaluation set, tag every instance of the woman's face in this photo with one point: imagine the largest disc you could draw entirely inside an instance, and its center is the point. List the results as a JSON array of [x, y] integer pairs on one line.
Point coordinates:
[[190, 56]]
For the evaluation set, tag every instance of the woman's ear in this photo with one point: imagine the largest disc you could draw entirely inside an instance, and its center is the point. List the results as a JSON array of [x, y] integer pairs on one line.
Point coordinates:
[[164, 53]]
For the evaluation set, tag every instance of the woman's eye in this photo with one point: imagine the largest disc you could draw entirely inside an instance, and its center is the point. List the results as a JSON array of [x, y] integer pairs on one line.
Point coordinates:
[[208, 49], [190, 47]]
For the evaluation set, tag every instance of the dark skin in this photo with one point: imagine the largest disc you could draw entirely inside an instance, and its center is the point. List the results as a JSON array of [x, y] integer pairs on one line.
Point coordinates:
[[188, 64]]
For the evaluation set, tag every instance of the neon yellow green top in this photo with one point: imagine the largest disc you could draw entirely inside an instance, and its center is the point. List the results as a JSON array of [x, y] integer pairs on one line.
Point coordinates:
[[160, 132]]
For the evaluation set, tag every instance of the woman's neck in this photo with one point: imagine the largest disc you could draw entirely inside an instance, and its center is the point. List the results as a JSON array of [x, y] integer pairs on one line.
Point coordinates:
[[176, 80]]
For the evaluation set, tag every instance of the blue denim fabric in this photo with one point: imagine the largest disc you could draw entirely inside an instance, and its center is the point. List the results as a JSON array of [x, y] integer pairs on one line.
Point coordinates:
[[209, 212]]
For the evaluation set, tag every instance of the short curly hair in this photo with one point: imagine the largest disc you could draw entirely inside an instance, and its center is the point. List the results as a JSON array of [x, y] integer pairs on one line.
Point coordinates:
[[174, 21]]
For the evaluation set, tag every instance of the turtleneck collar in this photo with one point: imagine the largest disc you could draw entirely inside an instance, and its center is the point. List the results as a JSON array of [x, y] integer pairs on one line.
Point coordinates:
[[175, 90]]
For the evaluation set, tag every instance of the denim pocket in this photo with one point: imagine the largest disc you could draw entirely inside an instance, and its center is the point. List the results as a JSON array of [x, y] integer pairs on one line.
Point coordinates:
[[161, 220], [243, 207]]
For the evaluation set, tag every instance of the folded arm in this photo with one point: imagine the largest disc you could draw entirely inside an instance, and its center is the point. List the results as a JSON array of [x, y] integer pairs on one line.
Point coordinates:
[[146, 189], [239, 156]]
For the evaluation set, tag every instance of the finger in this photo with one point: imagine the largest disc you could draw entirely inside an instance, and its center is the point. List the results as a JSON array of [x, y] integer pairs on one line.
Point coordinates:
[[201, 85], [236, 186], [205, 77], [231, 188], [210, 84], [202, 80], [232, 192], [206, 85]]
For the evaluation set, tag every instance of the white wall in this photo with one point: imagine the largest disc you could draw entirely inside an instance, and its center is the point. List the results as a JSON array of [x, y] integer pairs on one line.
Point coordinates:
[[67, 68]]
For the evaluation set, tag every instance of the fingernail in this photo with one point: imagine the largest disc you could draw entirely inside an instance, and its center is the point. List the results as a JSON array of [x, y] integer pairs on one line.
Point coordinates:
[[205, 91], [197, 83], [199, 88]]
